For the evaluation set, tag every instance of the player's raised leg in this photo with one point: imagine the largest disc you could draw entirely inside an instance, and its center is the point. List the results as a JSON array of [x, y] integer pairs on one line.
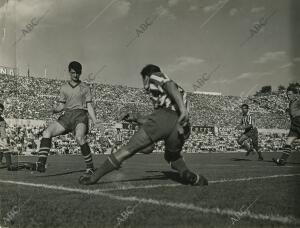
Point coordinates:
[[54, 129], [138, 141]]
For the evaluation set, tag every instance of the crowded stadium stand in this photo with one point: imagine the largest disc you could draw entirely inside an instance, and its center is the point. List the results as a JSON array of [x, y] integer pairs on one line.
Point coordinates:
[[213, 117]]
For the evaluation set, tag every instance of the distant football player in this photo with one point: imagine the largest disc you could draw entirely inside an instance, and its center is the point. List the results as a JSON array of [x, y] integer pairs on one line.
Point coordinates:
[[3, 140], [294, 112], [169, 122], [76, 101], [118, 141], [250, 132]]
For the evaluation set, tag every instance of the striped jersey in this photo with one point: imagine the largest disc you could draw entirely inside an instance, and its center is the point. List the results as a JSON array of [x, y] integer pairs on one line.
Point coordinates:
[[75, 96], [158, 94], [247, 120]]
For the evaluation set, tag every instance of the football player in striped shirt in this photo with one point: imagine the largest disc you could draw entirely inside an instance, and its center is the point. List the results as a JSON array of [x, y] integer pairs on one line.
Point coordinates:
[[118, 141], [294, 112], [250, 132], [4, 151], [169, 122], [76, 101]]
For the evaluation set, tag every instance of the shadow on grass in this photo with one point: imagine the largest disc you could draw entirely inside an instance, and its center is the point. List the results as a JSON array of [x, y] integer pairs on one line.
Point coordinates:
[[154, 177], [62, 174], [240, 159], [264, 161], [166, 175]]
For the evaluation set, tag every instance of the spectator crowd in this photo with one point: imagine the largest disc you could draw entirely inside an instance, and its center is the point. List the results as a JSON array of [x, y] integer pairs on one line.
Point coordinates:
[[31, 98]]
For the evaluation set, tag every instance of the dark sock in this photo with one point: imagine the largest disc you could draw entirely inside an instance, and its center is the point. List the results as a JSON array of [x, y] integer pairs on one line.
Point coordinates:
[[258, 152], [287, 149], [1, 156], [44, 150], [8, 159], [179, 165], [86, 152], [109, 165]]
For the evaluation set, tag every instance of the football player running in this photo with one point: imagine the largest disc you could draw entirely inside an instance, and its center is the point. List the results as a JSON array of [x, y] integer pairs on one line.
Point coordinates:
[[294, 112], [169, 122]]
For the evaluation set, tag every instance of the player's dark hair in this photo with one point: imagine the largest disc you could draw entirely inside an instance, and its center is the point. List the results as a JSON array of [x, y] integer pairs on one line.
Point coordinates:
[[293, 89], [75, 66], [149, 70], [245, 105], [1, 106]]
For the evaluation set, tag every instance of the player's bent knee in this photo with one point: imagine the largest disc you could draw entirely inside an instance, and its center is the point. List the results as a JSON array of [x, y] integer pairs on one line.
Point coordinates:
[[172, 156], [80, 140], [123, 153], [47, 134]]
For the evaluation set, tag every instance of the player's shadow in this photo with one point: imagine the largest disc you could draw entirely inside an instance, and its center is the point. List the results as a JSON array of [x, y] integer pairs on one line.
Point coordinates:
[[171, 175], [248, 160], [166, 175], [288, 163], [240, 159], [174, 176], [293, 163], [155, 177], [264, 161], [62, 174]]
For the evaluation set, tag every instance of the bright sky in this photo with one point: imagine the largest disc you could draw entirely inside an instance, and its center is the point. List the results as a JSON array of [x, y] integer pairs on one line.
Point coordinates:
[[186, 39]]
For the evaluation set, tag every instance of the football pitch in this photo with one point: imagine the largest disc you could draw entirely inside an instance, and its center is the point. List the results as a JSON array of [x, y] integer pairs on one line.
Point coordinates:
[[145, 192]]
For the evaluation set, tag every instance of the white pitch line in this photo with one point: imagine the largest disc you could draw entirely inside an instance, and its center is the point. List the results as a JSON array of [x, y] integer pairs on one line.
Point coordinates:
[[124, 188], [225, 212], [253, 178]]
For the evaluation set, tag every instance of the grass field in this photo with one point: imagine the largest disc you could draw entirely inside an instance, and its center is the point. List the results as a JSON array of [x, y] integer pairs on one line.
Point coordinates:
[[242, 192]]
